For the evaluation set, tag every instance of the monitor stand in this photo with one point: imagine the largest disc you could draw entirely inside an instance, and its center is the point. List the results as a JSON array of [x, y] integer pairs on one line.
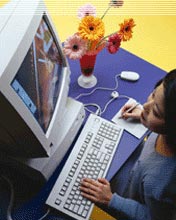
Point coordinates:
[[40, 169]]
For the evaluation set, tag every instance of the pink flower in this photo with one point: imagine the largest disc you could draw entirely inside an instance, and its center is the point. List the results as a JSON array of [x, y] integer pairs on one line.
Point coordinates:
[[116, 3], [113, 43], [75, 47], [86, 10]]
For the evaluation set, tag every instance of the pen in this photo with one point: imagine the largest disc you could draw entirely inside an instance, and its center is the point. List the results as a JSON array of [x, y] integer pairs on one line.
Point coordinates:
[[130, 109]]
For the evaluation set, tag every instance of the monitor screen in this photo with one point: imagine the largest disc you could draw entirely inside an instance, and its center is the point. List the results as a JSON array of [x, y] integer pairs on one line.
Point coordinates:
[[38, 120], [37, 82]]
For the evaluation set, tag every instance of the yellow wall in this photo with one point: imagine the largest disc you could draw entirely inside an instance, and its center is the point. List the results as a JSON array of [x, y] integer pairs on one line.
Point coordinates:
[[3, 2], [154, 35]]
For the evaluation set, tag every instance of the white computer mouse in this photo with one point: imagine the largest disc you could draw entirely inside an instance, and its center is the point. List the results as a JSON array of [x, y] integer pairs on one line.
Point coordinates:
[[129, 75]]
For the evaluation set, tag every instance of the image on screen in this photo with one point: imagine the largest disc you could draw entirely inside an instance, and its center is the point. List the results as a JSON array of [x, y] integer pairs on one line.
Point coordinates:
[[37, 82]]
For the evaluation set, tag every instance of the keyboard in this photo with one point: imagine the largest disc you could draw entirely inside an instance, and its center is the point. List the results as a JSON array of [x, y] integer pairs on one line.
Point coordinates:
[[91, 157]]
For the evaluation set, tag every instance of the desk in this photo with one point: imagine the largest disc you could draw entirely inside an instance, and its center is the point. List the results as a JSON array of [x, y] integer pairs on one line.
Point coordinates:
[[106, 68]]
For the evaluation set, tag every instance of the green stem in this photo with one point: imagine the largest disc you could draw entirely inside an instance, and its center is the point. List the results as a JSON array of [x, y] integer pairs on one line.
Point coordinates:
[[89, 45], [105, 12], [99, 43]]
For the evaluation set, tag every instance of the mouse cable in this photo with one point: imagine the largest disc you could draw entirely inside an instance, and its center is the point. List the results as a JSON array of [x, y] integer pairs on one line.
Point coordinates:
[[100, 88], [107, 104], [98, 111], [48, 211], [10, 205], [111, 100]]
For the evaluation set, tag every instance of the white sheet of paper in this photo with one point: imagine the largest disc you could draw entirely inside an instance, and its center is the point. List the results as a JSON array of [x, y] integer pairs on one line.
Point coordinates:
[[132, 126]]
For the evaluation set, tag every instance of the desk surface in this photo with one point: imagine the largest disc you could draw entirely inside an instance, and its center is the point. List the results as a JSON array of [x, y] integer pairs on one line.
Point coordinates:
[[107, 66]]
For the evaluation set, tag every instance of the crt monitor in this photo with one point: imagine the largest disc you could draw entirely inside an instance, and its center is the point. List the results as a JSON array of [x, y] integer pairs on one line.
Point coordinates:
[[34, 85]]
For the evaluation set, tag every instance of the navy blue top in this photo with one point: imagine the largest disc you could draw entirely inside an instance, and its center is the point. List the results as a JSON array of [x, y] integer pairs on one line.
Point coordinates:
[[151, 191]]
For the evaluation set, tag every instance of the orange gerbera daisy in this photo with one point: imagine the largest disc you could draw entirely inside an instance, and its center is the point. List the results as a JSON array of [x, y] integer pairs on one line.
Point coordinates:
[[126, 29], [91, 28]]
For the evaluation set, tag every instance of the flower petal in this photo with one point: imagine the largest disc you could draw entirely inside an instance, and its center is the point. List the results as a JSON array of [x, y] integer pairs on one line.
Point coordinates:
[[114, 42], [91, 28], [75, 47], [86, 10], [126, 29]]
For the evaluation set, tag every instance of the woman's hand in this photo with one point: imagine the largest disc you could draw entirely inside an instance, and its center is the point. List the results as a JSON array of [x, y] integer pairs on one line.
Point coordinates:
[[98, 191], [135, 113]]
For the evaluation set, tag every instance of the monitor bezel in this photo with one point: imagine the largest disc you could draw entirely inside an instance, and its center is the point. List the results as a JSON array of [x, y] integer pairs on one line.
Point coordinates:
[[14, 56]]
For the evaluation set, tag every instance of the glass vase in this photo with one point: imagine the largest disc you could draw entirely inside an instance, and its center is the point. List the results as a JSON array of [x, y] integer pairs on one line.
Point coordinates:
[[87, 78]]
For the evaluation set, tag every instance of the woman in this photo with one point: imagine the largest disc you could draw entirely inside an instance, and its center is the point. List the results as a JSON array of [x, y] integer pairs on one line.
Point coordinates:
[[151, 191]]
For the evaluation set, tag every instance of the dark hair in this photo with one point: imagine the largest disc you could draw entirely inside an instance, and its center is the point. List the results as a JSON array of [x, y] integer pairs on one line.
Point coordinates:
[[169, 83]]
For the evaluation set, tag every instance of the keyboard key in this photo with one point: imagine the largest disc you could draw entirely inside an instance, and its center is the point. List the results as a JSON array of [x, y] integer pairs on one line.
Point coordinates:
[[90, 157]]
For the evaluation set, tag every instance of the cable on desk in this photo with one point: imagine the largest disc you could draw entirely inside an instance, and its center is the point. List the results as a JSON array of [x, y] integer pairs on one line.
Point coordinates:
[[100, 88], [9, 209], [98, 111], [111, 100], [48, 211], [10, 206]]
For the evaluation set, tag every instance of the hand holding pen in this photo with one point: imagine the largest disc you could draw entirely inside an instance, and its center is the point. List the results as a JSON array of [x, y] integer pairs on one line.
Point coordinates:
[[132, 110]]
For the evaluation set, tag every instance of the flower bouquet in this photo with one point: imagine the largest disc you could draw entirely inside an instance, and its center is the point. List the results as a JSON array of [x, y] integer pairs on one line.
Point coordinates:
[[90, 39]]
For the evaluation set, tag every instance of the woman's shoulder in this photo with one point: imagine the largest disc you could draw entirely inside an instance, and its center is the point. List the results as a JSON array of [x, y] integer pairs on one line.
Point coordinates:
[[157, 165], [160, 176]]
